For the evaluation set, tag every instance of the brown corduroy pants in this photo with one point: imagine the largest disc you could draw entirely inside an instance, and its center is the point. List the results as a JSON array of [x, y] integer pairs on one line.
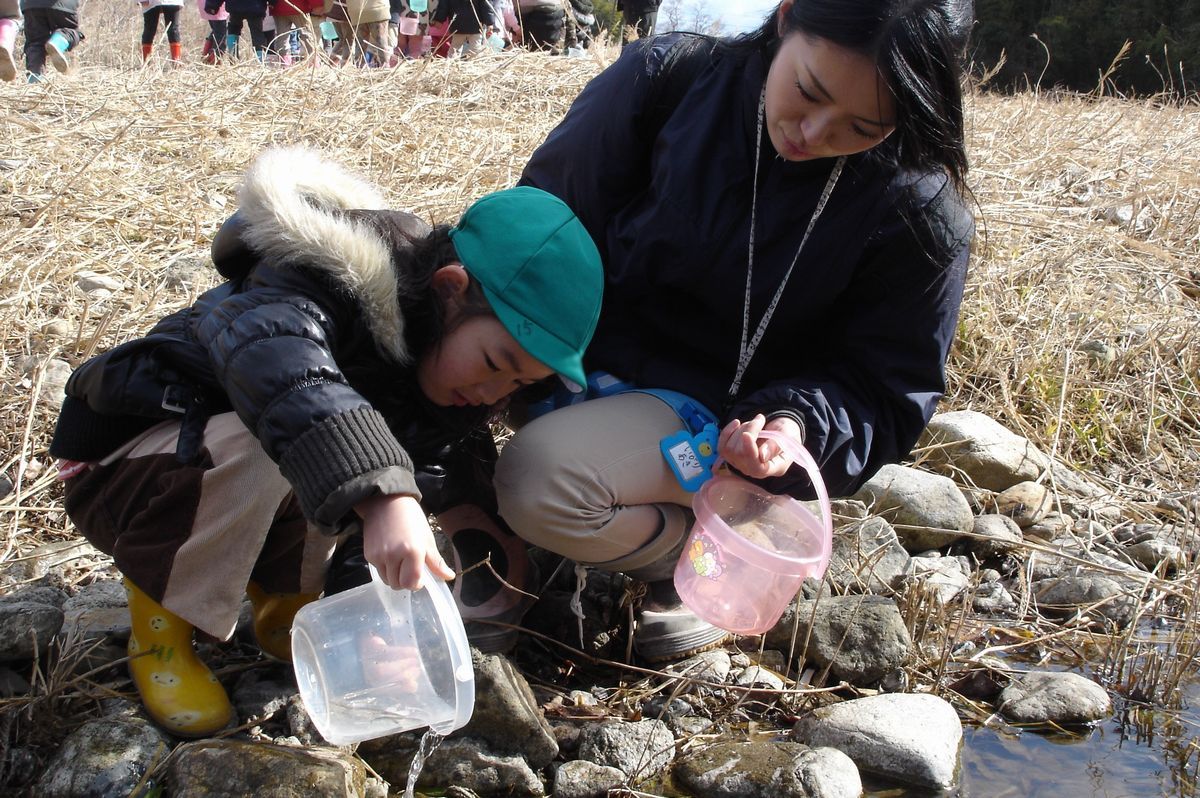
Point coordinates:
[[192, 536]]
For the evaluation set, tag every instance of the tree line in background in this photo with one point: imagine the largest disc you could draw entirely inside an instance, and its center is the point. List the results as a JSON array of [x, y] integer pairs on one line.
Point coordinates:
[[1073, 44]]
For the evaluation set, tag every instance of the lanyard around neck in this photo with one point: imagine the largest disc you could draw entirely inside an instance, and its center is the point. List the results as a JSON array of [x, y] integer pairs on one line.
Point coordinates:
[[746, 350]]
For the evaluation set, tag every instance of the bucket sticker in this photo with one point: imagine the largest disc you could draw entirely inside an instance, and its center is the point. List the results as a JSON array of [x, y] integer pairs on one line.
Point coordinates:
[[705, 557]]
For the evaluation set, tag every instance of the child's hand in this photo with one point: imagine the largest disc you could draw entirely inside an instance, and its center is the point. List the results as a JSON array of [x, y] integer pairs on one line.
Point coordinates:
[[740, 446], [397, 540]]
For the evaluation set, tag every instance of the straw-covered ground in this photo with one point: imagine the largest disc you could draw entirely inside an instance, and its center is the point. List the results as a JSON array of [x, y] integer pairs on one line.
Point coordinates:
[[1078, 328]]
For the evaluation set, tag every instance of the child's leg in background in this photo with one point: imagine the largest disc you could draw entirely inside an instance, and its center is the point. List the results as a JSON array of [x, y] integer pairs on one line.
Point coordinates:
[[149, 29], [233, 33], [346, 42], [170, 15], [218, 30], [375, 42], [37, 32], [10, 24], [258, 36]]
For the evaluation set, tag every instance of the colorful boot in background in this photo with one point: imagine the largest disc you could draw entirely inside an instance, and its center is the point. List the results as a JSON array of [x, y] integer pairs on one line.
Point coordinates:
[[8, 38], [57, 47]]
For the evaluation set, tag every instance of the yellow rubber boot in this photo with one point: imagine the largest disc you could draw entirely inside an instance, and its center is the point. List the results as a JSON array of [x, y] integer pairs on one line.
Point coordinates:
[[179, 692], [273, 616]]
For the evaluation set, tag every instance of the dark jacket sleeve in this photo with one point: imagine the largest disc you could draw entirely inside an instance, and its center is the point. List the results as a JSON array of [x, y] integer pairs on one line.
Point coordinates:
[[272, 349], [864, 402]]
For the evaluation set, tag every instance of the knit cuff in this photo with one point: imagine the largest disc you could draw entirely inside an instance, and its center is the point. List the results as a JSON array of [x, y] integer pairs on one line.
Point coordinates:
[[343, 460]]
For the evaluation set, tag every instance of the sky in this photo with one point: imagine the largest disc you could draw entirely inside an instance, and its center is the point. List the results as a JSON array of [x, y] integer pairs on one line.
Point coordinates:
[[741, 15]]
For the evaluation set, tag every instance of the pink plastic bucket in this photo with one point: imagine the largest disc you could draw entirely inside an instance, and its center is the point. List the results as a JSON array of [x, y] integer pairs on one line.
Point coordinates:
[[750, 550]]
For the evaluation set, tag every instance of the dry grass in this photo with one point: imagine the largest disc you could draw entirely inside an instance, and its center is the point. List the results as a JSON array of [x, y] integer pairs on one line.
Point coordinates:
[[126, 172]]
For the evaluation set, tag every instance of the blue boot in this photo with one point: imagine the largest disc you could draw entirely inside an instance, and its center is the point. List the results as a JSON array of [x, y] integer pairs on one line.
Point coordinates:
[[56, 51], [231, 45]]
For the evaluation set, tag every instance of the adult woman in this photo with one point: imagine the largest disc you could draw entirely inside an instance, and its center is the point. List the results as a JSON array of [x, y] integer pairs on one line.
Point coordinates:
[[788, 248]]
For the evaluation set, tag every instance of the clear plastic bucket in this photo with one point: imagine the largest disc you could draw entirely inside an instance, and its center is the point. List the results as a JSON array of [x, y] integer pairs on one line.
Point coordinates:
[[374, 661], [749, 550]]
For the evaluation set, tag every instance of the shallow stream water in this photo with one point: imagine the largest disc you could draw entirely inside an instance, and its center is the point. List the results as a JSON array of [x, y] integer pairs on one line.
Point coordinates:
[[1143, 753]]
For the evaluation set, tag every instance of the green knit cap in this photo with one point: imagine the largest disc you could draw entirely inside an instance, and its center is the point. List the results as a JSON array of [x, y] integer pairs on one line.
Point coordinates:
[[540, 271]]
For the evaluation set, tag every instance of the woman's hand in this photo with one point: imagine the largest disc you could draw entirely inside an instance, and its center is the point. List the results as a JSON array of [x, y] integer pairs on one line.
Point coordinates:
[[397, 540], [740, 446]]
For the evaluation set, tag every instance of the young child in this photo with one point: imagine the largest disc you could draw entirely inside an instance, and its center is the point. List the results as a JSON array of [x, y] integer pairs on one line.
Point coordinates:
[[248, 12], [218, 29], [297, 15], [51, 31], [10, 23], [168, 10], [223, 453]]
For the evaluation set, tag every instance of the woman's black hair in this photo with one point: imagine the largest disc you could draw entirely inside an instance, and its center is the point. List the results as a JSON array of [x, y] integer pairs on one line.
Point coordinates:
[[917, 45], [418, 254]]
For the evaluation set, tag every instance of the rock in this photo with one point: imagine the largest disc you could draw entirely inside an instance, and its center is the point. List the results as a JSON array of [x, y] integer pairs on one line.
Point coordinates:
[[867, 558], [6, 486], [260, 695], [1050, 697], [844, 510], [1097, 595], [98, 610], [1026, 503], [990, 455], [758, 676], [12, 683], [944, 577], [235, 767], [582, 779], [992, 597], [54, 382], [666, 708], [859, 638], [1154, 553], [708, 666], [58, 328], [1052, 525], [44, 558], [465, 762], [909, 737], [44, 591], [767, 770], [26, 629], [103, 758], [996, 535], [506, 714], [640, 749], [928, 511], [97, 284]]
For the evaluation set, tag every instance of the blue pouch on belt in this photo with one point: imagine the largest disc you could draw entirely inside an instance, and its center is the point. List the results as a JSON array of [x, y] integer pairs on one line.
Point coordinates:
[[690, 453]]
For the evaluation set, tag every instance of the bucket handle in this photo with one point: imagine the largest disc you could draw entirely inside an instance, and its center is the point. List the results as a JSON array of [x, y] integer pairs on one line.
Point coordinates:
[[800, 456]]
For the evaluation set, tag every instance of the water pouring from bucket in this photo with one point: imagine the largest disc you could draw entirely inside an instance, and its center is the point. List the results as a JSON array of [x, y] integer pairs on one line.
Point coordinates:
[[374, 661], [749, 550]]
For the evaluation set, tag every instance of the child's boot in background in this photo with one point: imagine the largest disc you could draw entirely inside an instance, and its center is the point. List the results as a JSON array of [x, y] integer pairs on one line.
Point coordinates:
[[176, 53], [231, 45], [273, 615], [179, 692], [146, 50], [56, 51], [8, 37], [207, 54]]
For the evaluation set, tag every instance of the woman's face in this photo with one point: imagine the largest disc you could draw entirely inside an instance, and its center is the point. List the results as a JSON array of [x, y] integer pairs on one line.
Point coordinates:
[[824, 100], [477, 362]]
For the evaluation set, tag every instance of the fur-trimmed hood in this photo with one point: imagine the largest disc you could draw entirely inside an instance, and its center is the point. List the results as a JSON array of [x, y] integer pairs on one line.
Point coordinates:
[[290, 205]]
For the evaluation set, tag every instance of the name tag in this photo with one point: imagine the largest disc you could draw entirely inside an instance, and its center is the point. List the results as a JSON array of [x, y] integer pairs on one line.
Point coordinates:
[[691, 457]]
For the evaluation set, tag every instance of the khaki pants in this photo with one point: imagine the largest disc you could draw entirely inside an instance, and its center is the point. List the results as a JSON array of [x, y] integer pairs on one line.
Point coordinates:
[[590, 483], [191, 536]]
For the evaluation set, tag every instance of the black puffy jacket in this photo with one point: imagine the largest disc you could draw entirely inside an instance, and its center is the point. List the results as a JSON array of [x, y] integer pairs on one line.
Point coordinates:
[[306, 341]]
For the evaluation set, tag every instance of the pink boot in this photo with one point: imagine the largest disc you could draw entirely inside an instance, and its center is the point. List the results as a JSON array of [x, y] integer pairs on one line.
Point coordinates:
[[8, 35]]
